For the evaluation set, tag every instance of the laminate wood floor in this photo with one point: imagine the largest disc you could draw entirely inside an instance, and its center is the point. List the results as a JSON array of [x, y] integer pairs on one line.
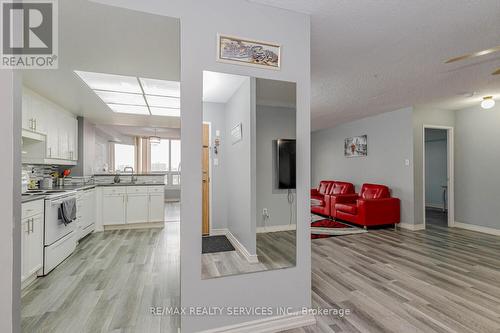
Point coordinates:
[[109, 284], [438, 280], [275, 250]]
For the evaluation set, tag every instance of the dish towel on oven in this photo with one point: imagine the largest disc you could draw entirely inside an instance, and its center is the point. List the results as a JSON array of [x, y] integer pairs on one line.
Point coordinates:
[[68, 210]]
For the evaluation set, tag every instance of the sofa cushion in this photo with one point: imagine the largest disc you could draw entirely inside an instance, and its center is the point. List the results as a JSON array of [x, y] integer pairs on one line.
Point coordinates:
[[319, 198], [347, 208], [370, 193], [323, 187], [374, 191], [336, 189]]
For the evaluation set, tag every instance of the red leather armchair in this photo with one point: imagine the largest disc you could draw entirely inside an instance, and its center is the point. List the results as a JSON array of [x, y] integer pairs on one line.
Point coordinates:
[[326, 193], [373, 206]]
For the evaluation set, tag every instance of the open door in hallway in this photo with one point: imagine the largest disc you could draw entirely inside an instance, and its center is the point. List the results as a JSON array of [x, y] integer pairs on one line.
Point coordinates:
[[205, 182]]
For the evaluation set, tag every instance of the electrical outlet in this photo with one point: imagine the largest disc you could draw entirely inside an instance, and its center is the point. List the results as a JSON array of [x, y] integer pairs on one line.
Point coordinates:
[[265, 212]]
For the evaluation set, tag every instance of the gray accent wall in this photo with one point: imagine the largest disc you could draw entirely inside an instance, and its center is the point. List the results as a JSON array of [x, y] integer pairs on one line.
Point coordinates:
[[240, 109], [424, 116], [477, 161], [86, 149], [272, 123], [436, 166], [390, 144]]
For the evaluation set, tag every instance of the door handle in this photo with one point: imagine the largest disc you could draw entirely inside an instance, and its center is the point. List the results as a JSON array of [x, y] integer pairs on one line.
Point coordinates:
[[34, 121]]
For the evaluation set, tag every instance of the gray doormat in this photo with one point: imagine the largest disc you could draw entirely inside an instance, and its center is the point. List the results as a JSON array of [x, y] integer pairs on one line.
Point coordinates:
[[212, 244]]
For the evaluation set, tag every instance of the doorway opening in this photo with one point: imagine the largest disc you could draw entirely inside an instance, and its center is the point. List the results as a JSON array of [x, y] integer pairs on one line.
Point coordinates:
[[438, 198]]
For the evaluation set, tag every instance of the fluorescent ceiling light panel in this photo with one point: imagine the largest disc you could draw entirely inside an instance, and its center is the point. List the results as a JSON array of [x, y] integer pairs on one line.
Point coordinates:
[[161, 87], [163, 102], [132, 109], [121, 98], [165, 112], [111, 82]]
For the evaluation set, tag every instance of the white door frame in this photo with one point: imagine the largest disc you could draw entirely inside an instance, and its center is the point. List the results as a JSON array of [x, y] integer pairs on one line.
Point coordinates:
[[210, 161], [451, 172]]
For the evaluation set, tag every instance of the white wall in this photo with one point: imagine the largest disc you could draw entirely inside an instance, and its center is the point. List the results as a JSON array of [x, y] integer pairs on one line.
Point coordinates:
[[214, 113], [101, 151], [272, 123], [239, 157], [10, 203], [390, 143], [200, 23], [424, 116], [477, 160], [436, 166]]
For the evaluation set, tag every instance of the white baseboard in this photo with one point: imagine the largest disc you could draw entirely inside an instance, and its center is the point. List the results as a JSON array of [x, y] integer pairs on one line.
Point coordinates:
[[219, 232], [251, 258], [276, 228], [434, 206], [478, 228], [147, 225], [268, 325], [412, 227]]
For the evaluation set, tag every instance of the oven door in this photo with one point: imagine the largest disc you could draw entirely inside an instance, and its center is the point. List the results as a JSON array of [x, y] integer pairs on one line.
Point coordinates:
[[55, 228]]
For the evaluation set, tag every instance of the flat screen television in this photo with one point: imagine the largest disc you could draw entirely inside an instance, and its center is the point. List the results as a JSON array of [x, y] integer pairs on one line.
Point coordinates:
[[285, 165]]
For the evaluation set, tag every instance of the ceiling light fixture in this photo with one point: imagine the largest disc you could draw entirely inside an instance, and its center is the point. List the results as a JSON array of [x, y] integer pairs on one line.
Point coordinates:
[[488, 102], [135, 95], [154, 139]]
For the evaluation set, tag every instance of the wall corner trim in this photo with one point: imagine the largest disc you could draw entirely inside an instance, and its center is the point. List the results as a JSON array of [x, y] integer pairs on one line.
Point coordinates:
[[268, 325], [251, 258], [478, 228], [412, 227], [276, 228]]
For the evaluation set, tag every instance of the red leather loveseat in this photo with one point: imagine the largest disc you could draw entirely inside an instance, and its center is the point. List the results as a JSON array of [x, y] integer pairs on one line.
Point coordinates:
[[326, 193], [372, 206]]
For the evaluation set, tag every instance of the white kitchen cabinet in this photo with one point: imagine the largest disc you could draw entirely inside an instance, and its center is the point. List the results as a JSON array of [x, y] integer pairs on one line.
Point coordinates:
[[137, 208], [85, 212], [26, 115], [156, 207], [60, 127], [113, 208], [142, 204], [32, 239]]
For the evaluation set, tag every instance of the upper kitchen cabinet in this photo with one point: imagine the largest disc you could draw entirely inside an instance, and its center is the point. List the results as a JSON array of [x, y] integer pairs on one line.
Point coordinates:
[[50, 133]]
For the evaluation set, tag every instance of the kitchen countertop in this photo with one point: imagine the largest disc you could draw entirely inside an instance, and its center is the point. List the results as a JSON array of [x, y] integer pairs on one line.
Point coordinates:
[[131, 184], [130, 174], [33, 197]]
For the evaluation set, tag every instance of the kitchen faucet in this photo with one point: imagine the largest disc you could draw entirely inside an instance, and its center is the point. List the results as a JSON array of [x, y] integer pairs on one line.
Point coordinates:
[[132, 179]]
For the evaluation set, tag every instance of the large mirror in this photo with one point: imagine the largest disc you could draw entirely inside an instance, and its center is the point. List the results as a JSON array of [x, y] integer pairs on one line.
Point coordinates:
[[249, 200]]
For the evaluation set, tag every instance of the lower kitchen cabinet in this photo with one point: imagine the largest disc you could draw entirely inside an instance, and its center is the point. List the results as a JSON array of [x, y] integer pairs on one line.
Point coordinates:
[[113, 208], [32, 239], [137, 208], [156, 207], [123, 205], [85, 212]]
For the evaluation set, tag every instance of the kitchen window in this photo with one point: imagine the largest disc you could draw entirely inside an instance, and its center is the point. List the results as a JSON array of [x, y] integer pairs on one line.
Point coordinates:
[[124, 156], [166, 157]]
